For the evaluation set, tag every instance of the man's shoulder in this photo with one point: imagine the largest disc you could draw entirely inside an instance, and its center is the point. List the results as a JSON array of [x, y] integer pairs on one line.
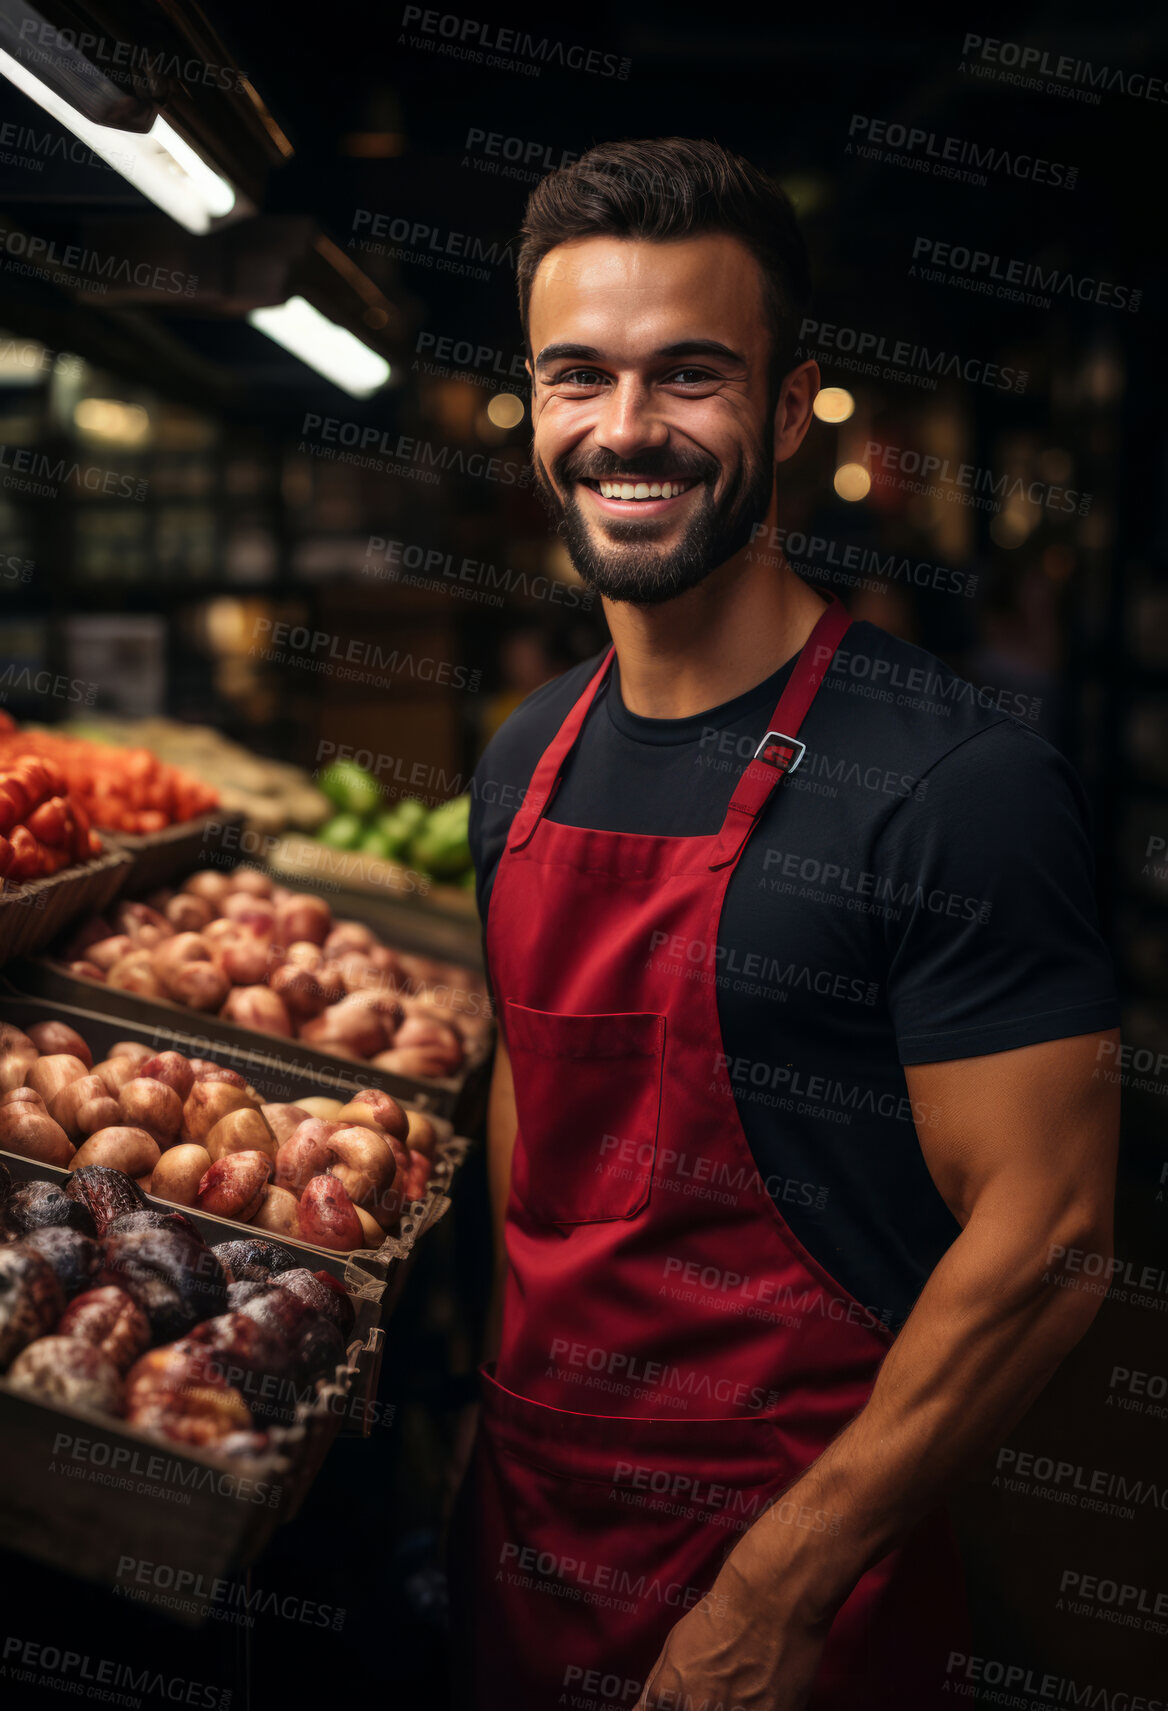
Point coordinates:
[[898, 696]]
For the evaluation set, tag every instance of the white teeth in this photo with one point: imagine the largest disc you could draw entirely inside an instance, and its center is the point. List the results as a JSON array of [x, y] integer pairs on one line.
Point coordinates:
[[643, 489]]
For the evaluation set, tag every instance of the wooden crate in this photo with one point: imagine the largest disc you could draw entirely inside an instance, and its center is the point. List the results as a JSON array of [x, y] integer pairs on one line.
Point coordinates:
[[41, 909], [157, 858]]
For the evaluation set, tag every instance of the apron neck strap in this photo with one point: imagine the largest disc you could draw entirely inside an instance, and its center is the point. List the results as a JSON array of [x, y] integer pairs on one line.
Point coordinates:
[[780, 751], [546, 776]]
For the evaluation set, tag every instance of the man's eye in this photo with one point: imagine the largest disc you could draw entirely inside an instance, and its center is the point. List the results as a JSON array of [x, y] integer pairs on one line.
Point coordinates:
[[689, 377], [580, 377]]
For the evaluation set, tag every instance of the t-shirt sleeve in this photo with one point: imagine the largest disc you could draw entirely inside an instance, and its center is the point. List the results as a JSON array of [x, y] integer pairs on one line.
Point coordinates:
[[998, 944]]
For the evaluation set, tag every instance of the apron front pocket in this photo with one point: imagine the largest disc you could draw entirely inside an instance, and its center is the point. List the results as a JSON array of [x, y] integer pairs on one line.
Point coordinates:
[[588, 1099]]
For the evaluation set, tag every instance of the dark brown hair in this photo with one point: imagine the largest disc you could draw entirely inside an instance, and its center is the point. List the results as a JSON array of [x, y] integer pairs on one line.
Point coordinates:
[[674, 187]]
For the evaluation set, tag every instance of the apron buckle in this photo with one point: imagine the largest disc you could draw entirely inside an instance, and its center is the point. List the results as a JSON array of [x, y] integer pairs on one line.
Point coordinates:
[[782, 752]]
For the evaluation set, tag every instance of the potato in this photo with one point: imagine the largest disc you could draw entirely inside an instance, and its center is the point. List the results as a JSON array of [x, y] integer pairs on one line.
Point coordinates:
[[206, 1103], [106, 952], [133, 1049], [304, 1154], [328, 1217], [65, 1105], [234, 1186], [422, 1136], [302, 918], [120, 1147], [209, 884], [258, 1007], [27, 1129], [364, 1164], [321, 1107], [47, 1075], [283, 1119], [242, 1131], [199, 985], [179, 1171], [278, 1214], [153, 1106], [17, 1056], [52, 1037], [134, 972], [172, 1068], [373, 1105], [250, 879], [188, 913], [115, 1072]]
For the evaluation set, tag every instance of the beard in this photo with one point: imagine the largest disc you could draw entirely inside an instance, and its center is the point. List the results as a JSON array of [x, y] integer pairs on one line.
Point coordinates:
[[626, 564]]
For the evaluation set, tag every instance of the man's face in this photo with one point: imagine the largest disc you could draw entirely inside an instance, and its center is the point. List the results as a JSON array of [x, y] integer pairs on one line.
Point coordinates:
[[654, 429]]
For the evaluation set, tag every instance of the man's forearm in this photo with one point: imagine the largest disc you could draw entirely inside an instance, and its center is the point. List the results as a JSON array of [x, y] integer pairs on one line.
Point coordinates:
[[984, 1337]]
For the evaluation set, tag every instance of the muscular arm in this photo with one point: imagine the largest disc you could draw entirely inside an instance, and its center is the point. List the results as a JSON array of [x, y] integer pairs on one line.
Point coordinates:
[[1022, 1146], [501, 1124]]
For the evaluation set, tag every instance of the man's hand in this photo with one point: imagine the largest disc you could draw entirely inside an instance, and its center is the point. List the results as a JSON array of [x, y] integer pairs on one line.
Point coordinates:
[[740, 1648]]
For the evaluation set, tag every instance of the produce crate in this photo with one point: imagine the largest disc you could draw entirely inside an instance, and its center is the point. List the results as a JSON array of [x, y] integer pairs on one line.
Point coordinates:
[[158, 857], [371, 1276], [80, 1490], [39, 910], [455, 1097]]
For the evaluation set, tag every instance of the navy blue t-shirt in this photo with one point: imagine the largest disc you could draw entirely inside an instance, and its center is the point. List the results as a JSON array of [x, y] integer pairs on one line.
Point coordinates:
[[919, 889]]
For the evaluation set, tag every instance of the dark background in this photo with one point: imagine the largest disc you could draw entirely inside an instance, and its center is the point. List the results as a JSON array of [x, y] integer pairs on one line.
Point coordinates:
[[245, 520]]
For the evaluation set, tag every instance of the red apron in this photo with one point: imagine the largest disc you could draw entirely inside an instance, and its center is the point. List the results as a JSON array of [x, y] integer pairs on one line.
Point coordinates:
[[672, 1358]]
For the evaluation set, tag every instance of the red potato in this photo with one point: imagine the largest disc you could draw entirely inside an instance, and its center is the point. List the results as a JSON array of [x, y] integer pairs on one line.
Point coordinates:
[[374, 1105], [206, 1103], [220, 931], [302, 917], [306, 1153], [106, 952], [299, 991], [209, 884], [120, 1147], [350, 1025], [178, 1173], [28, 1130], [115, 1072], [411, 1062], [256, 1007], [283, 1120], [245, 958], [178, 949], [85, 970], [234, 1186], [98, 1113], [96, 928], [47, 1075], [109, 1319], [417, 1177], [135, 973], [328, 1217], [251, 911], [440, 1039], [349, 936], [17, 1056], [53, 1037], [200, 986], [205, 1070], [250, 879], [278, 1214], [303, 954], [188, 913], [316, 1105], [65, 1105], [146, 927], [130, 1048], [242, 1131], [171, 1068], [154, 1106]]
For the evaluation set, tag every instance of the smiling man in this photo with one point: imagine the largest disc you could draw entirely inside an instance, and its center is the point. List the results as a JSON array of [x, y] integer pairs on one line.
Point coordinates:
[[802, 1006]]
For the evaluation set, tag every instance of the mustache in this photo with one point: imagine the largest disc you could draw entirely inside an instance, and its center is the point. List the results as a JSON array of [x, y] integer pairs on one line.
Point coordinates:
[[659, 461]]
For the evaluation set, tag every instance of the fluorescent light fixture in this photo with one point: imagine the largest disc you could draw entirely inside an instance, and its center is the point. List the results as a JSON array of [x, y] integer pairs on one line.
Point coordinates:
[[158, 162], [333, 351]]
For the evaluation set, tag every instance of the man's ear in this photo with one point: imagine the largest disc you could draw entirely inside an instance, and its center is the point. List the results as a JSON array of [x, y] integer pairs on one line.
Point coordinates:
[[793, 412]]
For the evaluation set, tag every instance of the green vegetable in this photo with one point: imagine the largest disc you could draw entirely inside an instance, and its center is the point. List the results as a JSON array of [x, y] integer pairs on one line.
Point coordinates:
[[342, 832], [374, 842], [441, 846], [350, 788]]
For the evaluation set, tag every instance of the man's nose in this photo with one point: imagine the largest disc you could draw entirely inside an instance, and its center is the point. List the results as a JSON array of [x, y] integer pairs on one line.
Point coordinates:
[[628, 422]]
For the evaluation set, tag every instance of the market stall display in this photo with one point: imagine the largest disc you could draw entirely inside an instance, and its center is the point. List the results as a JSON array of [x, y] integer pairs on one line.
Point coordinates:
[[272, 796], [121, 789]]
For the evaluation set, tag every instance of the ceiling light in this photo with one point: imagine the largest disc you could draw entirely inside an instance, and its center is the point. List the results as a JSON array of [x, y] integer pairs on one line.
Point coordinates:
[[158, 162], [333, 351]]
